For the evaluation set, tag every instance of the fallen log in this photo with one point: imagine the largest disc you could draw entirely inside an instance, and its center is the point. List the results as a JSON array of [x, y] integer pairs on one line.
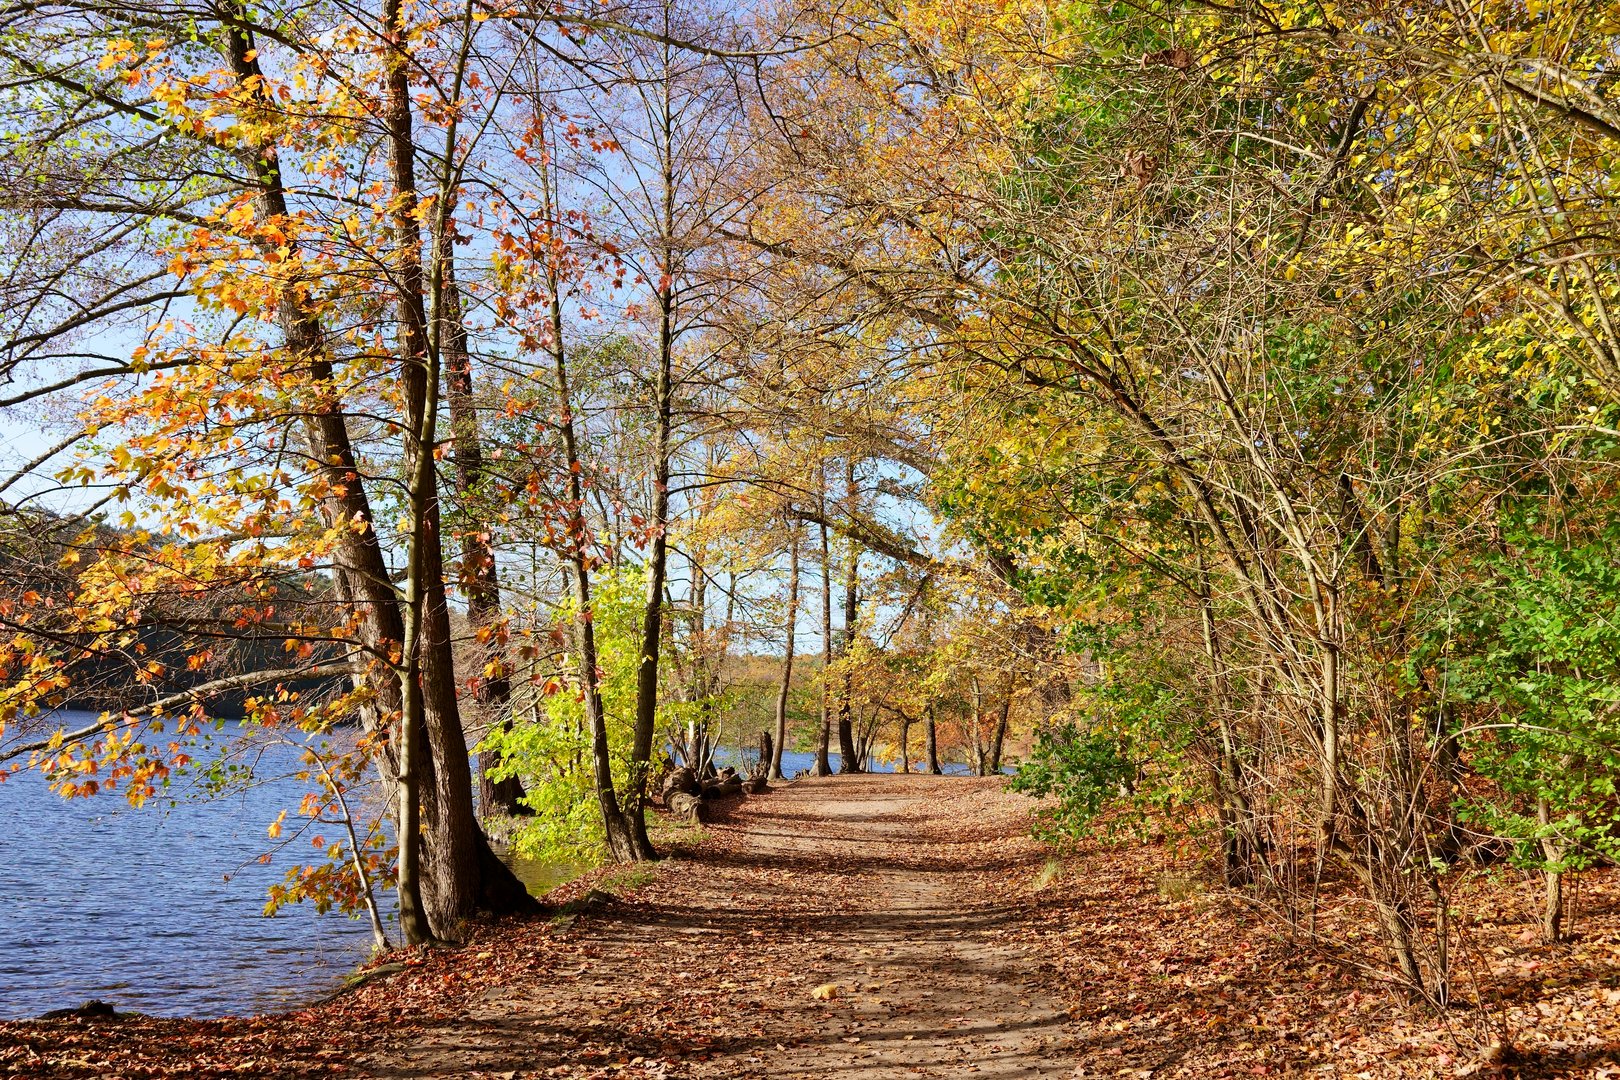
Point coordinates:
[[729, 788], [681, 781]]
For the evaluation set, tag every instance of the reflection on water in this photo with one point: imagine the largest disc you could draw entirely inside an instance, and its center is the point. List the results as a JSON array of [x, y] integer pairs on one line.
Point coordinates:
[[157, 910], [540, 877]]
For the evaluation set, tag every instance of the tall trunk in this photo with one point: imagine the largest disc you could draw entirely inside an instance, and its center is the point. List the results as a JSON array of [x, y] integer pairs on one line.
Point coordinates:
[[493, 693], [787, 656], [663, 412], [652, 616], [999, 737], [823, 767], [614, 825], [849, 760], [362, 573], [905, 743], [615, 828], [445, 895], [461, 874], [930, 742]]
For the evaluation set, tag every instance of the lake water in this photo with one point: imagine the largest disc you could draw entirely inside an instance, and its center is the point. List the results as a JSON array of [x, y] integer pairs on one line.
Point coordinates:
[[101, 900], [157, 910], [795, 760]]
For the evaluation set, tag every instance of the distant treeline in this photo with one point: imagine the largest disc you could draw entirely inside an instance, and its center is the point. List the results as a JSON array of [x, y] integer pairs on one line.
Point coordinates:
[[180, 640]]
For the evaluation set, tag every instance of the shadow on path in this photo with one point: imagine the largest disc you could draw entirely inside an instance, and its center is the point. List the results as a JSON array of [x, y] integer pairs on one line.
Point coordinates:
[[836, 927]]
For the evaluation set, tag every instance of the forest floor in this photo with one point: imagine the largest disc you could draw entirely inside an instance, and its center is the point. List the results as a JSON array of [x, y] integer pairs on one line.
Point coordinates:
[[886, 927]]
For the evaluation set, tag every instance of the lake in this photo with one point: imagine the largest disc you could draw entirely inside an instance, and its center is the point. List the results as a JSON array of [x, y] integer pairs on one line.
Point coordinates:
[[157, 910], [795, 760]]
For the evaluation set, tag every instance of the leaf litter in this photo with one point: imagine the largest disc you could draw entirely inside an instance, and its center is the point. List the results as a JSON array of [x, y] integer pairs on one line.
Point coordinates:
[[884, 927]]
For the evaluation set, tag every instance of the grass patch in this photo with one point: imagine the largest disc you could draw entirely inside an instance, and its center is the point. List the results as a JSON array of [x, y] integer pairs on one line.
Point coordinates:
[[668, 833], [631, 877], [1048, 875]]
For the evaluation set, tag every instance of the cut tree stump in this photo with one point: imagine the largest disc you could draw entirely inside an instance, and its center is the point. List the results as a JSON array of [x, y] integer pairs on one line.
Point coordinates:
[[686, 806]]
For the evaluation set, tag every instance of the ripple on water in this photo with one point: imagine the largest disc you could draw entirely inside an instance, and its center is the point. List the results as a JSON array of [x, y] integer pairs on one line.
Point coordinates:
[[133, 906], [158, 910]]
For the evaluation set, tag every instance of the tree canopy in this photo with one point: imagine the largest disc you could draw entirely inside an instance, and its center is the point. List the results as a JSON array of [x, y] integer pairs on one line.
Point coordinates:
[[1213, 407]]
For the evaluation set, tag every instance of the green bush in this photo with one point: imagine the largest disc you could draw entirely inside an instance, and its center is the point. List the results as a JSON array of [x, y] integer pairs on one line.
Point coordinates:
[[1082, 770], [552, 755]]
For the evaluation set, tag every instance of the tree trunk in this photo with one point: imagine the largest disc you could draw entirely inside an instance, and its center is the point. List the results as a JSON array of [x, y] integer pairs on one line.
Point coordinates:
[[1330, 741], [863, 744], [787, 657], [652, 617], [697, 690], [461, 875], [493, 684], [362, 575], [1449, 771], [930, 742], [1239, 833], [930, 735], [1000, 735], [979, 758], [446, 892], [767, 751], [1552, 912], [663, 413], [849, 759], [615, 828], [823, 767]]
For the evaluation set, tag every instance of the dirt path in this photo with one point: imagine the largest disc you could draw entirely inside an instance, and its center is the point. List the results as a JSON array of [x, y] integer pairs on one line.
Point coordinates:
[[840, 927], [927, 983], [918, 907]]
